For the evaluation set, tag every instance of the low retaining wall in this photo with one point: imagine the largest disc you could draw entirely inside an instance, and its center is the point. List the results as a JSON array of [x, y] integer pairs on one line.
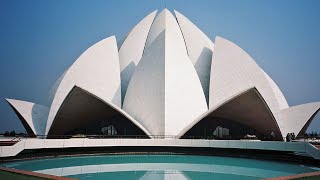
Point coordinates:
[[33, 144]]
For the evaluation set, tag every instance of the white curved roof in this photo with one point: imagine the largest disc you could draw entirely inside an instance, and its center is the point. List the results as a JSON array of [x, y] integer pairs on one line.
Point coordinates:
[[132, 48], [282, 102], [295, 118], [233, 71], [96, 70], [165, 82], [200, 49], [34, 115]]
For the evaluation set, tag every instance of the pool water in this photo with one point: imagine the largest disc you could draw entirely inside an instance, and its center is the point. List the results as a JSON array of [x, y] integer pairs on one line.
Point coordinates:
[[160, 167]]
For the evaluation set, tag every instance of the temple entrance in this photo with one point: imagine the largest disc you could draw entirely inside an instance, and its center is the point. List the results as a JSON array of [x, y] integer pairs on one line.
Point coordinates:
[[244, 116], [84, 114], [217, 128]]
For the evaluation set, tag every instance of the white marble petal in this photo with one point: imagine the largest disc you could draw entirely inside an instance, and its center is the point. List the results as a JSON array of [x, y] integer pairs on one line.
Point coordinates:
[[200, 49], [132, 49], [282, 102], [96, 70], [296, 119], [165, 82], [233, 71], [33, 115]]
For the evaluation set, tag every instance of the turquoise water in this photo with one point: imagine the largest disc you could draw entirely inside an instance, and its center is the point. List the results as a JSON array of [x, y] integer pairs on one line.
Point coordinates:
[[160, 167]]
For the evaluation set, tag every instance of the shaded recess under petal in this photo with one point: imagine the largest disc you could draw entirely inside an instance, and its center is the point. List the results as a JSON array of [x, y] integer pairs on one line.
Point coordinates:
[[85, 113], [244, 113]]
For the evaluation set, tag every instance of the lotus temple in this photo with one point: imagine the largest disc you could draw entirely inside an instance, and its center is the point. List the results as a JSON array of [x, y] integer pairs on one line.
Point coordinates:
[[165, 79], [166, 87]]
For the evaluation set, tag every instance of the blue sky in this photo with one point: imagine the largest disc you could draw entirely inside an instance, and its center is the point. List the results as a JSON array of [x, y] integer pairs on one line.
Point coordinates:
[[39, 39]]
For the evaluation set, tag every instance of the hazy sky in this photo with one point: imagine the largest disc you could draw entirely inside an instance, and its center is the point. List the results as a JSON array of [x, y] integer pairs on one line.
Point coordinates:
[[39, 39]]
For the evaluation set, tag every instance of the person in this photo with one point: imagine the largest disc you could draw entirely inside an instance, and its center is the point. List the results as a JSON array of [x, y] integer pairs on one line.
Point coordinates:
[[288, 137], [293, 136], [272, 136]]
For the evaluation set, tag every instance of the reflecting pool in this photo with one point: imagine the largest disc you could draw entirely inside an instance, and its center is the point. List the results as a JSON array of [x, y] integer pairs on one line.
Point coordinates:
[[160, 167]]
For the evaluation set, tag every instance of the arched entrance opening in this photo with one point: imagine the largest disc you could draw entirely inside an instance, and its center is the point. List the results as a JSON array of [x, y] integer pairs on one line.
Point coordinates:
[[244, 116], [85, 114]]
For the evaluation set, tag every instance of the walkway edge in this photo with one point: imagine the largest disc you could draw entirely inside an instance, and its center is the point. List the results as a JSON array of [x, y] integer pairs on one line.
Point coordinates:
[[33, 174]]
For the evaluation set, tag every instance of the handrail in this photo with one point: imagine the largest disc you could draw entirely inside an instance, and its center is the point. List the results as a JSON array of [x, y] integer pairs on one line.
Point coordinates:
[[97, 136], [100, 136]]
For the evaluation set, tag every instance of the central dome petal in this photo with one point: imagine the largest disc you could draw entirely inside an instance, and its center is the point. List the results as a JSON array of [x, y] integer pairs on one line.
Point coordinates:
[[165, 93]]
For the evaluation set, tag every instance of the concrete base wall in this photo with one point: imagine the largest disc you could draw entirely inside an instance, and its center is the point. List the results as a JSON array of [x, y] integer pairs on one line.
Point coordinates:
[[33, 144]]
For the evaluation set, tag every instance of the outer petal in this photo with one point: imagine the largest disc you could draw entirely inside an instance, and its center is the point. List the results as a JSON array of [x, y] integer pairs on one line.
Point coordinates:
[[165, 82], [96, 70], [233, 71], [282, 102], [33, 116], [200, 49], [296, 119], [132, 48], [55, 86]]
